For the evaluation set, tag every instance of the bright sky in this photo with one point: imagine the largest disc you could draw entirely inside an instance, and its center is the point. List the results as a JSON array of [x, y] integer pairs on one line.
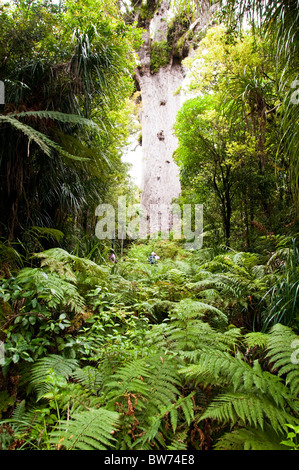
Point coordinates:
[[134, 157]]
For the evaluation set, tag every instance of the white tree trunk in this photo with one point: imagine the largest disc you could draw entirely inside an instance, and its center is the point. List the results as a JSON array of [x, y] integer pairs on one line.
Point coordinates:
[[160, 175], [160, 178]]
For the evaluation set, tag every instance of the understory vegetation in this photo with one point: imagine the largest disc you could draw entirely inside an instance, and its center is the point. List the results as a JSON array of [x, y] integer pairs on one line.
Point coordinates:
[[199, 351], [191, 353]]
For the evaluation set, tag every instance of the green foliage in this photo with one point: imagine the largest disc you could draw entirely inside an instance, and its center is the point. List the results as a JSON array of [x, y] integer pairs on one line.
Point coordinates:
[[199, 351], [87, 430], [277, 22], [160, 55], [60, 142], [232, 128], [6, 401], [38, 381], [283, 294], [292, 437], [250, 439], [282, 355], [252, 396], [144, 365]]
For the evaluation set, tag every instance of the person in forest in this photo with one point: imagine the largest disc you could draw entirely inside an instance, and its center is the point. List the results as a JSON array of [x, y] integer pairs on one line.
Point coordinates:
[[112, 256], [153, 257]]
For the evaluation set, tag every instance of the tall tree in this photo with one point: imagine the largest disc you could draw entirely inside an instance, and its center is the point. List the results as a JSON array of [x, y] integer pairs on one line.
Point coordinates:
[[169, 28]]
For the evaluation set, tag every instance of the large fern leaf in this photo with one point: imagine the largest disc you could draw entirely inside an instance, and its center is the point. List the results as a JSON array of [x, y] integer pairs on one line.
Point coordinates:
[[87, 430], [45, 144], [250, 439], [282, 347], [51, 288], [248, 409], [60, 366], [240, 375]]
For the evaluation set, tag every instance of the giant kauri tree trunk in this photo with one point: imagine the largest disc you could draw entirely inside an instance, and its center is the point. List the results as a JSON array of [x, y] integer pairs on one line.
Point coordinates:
[[168, 39]]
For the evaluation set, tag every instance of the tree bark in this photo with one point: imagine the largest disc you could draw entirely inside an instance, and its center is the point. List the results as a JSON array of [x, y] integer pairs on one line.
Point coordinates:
[[160, 104]]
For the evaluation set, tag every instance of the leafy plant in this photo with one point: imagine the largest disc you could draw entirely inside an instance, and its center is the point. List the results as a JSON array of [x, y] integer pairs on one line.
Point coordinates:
[[251, 396], [87, 430], [283, 297], [292, 437]]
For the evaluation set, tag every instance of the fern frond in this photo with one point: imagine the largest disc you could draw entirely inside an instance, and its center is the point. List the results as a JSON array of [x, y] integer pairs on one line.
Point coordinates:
[[281, 352], [250, 439], [176, 276], [59, 365], [247, 409], [145, 391], [188, 330], [158, 337], [256, 339], [57, 259], [154, 422], [22, 420], [240, 375], [179, 441], [89, 377], [87, 430], [129, 379], [47, 232], [163, 383], [51, 288], [45, 144], [56, 116]]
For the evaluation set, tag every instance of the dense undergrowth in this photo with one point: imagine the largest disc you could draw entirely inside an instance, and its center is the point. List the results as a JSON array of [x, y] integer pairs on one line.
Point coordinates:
[[196, 352]]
